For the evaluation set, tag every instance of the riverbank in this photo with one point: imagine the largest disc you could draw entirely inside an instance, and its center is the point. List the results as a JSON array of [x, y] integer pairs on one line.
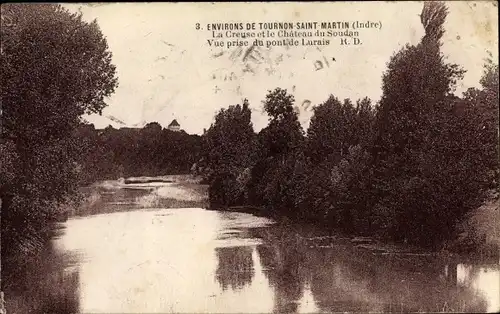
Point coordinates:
[[478, 236], [171, 191]]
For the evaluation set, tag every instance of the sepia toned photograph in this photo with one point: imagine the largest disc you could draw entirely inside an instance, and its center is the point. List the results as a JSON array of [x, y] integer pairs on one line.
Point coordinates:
[[249, 157]]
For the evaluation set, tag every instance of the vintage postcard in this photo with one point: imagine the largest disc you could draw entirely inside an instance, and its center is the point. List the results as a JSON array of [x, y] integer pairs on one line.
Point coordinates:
[[308, 157]]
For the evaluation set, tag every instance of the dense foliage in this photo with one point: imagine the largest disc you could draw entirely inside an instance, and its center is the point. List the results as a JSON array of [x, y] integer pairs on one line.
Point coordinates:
[[408, 169], [55, 68], [229, 149], [149, 151]]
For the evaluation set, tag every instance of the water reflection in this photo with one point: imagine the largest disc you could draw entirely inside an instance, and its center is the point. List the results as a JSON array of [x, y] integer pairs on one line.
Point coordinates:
[[283, 263], [371, 283], [234, 267], [343, 278], [194, 260], [46, 283], [484, 279]]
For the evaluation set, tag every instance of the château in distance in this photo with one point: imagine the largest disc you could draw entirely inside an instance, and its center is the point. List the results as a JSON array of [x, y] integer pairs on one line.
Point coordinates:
[[174, 126]]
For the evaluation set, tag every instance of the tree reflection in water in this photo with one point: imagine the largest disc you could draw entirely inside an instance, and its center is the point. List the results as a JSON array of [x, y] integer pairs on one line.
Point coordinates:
[[234, 267], [40, 283], [283, 264], [336, 278], [345, 281], [344, 278]]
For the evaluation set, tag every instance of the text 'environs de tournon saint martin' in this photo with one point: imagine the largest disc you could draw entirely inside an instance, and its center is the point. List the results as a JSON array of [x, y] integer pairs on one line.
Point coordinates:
[[271, 34]]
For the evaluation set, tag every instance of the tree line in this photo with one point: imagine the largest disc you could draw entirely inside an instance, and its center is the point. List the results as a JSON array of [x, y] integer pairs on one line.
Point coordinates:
[[408, 168], [149, 151]]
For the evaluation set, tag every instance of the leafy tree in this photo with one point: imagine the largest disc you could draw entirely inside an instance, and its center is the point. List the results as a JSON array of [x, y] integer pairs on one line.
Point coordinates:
[[348, 208], [114, 153], [279, 143], [324, 135], [284, 132], [425, 177], [338, 137], [335, 127], [154, 127], [55, 67], [229, 146], [483, 107], [365, 123]]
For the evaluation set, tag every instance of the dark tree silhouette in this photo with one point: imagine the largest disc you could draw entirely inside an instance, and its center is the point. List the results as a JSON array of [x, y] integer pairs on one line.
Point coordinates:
[[426, 175], [55, 67], [229, 151], [407, 169]]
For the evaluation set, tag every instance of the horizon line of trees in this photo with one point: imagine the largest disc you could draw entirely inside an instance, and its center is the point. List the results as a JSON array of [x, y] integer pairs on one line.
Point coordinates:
[[125, 152], [408, 169]]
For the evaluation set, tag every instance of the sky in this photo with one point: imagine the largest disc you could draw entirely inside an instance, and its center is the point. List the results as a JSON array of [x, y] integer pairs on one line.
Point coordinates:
[[167, 70]]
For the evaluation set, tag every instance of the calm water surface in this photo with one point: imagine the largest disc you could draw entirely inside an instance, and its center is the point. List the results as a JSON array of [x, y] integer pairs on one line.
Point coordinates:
[[150, 259]]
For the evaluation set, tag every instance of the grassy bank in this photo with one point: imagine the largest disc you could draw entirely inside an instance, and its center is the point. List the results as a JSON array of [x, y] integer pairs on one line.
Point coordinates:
[[176, 191]]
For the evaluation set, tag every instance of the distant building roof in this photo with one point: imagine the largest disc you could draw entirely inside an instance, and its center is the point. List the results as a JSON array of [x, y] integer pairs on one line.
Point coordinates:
[[174, 123]]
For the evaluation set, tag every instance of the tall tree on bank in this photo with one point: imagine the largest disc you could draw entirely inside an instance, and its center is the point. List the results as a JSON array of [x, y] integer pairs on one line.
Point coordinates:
[[55, 67], [229, 151], [284, 132], [426, 177], [280, 146]]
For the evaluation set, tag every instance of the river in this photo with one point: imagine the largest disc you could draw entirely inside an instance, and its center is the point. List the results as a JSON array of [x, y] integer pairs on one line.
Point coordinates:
[[153, 248]]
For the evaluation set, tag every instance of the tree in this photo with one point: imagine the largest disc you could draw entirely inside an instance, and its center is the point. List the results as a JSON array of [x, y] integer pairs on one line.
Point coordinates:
[[336, 126], [284, 132], [229, 146], [279, 149], [324, 135], [149, 149], [55, 67], [426, 178], [55, 62], [365, 120], [483, 107], [338, 137], [153, 127], [348, 207]]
